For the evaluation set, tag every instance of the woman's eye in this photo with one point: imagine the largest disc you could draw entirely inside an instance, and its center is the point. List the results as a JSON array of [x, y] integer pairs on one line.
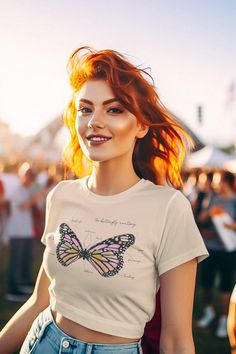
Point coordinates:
[[84, 110], [115, 110]]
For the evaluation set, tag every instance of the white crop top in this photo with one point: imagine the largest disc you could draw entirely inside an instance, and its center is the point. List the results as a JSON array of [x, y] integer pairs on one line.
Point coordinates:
[[104, 254]]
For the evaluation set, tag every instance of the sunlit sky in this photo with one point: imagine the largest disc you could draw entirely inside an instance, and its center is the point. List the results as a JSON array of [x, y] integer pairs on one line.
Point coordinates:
[[189, 45]]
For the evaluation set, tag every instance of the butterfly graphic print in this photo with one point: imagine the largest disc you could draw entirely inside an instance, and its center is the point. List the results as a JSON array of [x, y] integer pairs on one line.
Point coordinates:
[[105, 256]]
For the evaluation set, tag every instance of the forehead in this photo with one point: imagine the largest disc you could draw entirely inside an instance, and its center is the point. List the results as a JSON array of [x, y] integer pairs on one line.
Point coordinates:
[[95, 90]]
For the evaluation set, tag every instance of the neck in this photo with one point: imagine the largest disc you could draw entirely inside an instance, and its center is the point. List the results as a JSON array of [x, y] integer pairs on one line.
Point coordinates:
[[109, 179]]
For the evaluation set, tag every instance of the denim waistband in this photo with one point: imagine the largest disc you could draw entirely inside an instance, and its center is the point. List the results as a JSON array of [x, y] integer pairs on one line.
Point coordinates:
[[60, 338]]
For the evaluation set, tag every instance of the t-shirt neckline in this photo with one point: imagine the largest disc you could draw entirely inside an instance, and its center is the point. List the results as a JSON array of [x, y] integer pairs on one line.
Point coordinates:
[[114, 197]]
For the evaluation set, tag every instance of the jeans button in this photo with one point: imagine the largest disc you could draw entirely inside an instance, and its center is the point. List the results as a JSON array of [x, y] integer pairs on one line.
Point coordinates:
[[66, 344]]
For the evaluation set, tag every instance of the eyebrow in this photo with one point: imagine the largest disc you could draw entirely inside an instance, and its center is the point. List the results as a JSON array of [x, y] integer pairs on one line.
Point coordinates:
[[104, 103]]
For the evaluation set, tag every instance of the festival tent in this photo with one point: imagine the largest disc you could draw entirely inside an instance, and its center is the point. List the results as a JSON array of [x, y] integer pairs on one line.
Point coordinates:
[[208, 157], [230, 165]]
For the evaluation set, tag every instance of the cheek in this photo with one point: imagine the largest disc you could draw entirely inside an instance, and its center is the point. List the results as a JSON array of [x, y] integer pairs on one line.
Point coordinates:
[[126, 127]]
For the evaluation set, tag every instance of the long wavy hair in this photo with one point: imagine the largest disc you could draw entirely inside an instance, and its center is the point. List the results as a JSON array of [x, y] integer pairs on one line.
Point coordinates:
[[160, 154]]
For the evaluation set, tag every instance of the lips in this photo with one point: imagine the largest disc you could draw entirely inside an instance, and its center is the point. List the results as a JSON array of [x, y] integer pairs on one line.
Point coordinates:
[[97, 138]]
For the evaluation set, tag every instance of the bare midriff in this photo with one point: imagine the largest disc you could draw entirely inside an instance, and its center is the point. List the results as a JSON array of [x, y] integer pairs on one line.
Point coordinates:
[[85, 334]]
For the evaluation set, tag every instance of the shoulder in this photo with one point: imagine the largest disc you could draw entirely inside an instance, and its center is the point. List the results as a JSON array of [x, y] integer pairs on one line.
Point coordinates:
[[179, 204], [63, 188], [166, 195]]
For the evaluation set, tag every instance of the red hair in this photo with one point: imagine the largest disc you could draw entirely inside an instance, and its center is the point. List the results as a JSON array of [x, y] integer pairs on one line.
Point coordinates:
[[159, 155]]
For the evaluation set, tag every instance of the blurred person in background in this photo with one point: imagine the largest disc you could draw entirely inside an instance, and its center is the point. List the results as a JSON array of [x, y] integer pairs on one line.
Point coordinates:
[[42, 175], [38, 208], [201, 201], [221, 262], [44, 183], [190, 184], [10, 179], [20, 232]]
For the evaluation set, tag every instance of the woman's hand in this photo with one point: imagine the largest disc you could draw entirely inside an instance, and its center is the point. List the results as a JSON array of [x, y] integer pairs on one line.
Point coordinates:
[[231, 226]]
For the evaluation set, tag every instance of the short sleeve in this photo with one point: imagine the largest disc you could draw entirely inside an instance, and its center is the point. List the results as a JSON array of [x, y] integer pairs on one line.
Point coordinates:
[[181, 240]]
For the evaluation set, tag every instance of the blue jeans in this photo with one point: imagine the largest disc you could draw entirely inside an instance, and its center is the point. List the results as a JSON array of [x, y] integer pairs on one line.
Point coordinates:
[[46, 338]]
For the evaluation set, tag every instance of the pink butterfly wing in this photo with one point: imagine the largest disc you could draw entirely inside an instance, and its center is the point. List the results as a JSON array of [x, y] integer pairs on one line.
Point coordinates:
[[107, 256], [69, 248]]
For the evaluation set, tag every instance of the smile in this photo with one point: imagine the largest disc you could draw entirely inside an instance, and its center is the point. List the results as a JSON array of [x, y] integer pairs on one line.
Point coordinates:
[[97, 139]]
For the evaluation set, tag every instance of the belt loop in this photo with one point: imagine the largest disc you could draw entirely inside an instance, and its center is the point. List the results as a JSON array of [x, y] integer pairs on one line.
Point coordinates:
[[89, 348], [42, 330]]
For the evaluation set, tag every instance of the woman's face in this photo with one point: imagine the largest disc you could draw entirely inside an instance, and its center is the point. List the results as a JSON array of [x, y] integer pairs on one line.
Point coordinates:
[[106, 130]]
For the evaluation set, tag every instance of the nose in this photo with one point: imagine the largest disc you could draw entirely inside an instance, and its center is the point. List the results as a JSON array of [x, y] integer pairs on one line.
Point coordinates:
[[96, 121]]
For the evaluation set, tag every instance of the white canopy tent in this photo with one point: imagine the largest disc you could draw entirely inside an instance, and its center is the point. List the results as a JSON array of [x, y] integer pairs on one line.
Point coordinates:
[[209, 156], [230, 165]]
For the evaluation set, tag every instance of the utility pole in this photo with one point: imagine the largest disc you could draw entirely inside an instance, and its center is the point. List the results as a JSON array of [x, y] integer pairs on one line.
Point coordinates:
[[199, 114]]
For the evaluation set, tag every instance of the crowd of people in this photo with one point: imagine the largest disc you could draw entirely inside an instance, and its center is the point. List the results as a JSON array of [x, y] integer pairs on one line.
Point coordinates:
[[213, 196], [23, 191]]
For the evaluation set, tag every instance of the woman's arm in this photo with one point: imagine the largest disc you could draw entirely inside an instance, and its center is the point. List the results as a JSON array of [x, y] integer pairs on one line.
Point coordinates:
[[177, 294], [15, 331]]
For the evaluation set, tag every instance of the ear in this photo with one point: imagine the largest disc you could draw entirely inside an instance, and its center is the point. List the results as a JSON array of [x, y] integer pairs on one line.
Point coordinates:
[[142, 130]]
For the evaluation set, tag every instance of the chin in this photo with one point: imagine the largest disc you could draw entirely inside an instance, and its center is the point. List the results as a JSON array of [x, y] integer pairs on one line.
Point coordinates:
[[97, 158]]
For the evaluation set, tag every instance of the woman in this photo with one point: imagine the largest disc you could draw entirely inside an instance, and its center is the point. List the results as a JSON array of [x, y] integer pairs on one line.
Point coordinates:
[[116, 235]]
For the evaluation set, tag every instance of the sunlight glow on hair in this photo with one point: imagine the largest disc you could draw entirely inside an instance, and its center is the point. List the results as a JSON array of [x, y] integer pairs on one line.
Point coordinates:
[[160, 154]]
